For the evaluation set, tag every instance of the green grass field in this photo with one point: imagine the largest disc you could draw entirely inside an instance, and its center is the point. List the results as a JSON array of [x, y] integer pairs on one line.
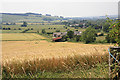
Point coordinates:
[[30, 18], [48, 28]]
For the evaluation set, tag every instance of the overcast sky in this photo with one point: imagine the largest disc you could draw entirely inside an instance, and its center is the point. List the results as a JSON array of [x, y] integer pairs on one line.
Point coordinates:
[[66, 8]]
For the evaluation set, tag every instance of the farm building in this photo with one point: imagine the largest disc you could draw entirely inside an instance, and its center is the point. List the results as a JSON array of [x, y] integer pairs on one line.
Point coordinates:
[[60, 34], [58, 39], [77, 32]]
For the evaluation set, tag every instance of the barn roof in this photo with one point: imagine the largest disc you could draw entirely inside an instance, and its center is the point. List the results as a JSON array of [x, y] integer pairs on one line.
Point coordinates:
[[57, 38]]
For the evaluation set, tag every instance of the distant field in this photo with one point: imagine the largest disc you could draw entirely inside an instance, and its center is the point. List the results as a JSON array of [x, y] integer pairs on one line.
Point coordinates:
[[12, 31], [48, 28], [29, 18], [100, 38], [20, 36]]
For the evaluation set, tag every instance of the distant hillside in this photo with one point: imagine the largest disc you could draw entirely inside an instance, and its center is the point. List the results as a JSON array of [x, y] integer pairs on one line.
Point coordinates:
[[29, 17], [94, 17], [39, 18]]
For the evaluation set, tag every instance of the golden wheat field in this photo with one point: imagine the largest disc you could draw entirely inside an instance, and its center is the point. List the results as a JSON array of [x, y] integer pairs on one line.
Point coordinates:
[[33, 56], [20, 36], [42, 49], [24, 53]]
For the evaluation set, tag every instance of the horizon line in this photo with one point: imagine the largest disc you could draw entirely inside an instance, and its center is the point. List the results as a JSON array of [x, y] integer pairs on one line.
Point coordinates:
[[57, 15]]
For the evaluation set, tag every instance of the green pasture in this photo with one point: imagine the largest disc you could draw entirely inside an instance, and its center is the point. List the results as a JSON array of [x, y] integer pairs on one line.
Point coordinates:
[[38, 27]]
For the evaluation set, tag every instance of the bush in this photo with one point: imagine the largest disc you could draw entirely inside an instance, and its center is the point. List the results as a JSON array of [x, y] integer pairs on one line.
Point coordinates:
[[43, 31], [25, 31], [57, 30], [49, 32], [76, 30]]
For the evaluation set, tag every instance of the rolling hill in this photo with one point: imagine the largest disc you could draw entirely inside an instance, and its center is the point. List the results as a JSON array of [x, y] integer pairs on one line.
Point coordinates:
[[28, 17]]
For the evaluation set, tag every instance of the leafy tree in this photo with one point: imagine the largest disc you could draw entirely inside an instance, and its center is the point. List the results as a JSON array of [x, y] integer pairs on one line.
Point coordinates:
[[114, 30], [78, 38], [110, 39], [7, 23], [80, 25], [38, 31], [96, 26], [9, 28], [89, 35], [106, 27], [70, 34], [65, 38], [43, 31], [24, 24]]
